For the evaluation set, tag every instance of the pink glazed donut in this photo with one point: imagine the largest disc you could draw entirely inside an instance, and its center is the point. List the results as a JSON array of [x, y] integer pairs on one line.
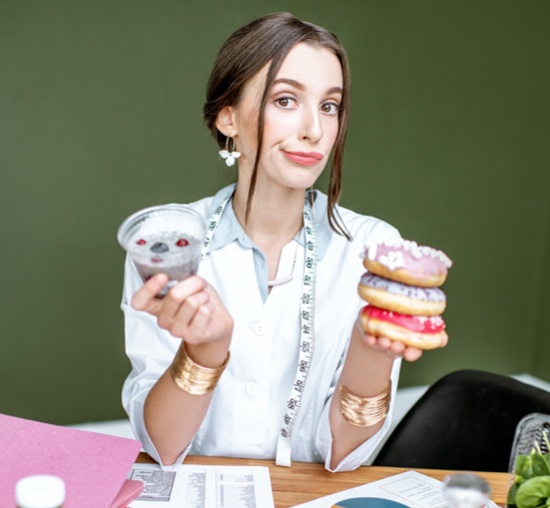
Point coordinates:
[[417, 331], [407, 262]]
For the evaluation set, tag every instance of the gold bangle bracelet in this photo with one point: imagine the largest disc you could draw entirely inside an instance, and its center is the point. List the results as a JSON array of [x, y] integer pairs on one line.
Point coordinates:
[[364, 411], [194, 378]]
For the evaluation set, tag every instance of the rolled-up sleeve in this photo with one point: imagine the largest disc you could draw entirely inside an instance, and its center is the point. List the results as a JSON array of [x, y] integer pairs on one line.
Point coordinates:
[[151, 351]]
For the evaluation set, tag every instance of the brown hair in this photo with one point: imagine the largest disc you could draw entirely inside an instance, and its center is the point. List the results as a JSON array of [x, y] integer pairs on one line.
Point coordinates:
[[270, 39]]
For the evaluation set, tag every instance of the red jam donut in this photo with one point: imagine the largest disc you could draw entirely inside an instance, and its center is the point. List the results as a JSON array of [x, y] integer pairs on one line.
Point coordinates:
[[422, 332], [405, 261], [397, 297]]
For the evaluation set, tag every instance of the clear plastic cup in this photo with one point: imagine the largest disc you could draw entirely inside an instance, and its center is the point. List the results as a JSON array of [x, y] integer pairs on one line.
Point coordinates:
[[164, 239]]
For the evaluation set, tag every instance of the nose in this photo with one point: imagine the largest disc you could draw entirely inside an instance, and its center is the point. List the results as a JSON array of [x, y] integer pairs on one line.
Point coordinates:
[[311, 128]]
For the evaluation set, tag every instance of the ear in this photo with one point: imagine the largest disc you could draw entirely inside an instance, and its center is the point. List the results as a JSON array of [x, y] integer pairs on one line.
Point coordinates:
[[225, 122]]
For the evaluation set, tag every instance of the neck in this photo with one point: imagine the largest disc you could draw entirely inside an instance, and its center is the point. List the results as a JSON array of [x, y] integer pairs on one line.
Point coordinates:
[[275, 214]]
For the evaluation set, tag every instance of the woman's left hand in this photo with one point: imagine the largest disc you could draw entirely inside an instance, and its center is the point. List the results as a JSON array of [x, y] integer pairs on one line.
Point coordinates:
[[397, 349]]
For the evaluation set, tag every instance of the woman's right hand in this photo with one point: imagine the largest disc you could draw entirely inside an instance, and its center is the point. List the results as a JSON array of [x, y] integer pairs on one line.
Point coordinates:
[[193, 311]]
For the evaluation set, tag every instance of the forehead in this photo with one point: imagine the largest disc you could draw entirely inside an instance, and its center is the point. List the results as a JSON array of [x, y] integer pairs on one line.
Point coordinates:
[[313, 66]]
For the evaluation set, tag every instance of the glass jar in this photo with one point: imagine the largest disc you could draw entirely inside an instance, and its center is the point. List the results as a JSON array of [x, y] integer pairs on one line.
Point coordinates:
[[466, 491], [530, 463]]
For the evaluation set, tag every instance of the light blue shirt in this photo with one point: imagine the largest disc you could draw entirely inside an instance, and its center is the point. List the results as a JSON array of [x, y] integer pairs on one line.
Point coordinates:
[[230, 230]]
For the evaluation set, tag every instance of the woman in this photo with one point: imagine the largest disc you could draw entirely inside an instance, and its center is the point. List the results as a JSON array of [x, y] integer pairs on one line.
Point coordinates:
[[278, 282]]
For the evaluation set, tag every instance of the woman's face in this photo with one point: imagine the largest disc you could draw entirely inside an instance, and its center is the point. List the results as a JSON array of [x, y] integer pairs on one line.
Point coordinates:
[[301, 118]]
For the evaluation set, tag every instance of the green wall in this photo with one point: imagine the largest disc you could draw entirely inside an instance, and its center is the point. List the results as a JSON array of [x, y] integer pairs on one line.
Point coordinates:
[[100, 115]]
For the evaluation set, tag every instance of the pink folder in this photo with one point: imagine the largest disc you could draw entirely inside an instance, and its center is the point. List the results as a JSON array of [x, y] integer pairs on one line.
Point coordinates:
[[129, 491], [93, 466]]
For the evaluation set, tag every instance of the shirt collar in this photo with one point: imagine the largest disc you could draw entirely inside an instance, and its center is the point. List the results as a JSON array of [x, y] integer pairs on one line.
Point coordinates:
[[229, 229]]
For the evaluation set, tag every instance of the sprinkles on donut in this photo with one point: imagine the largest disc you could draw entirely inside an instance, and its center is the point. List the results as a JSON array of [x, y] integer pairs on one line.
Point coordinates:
[[407, 262]]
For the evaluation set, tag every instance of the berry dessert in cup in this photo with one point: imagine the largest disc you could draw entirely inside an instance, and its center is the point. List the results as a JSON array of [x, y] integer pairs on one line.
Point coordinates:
[[164, 239]]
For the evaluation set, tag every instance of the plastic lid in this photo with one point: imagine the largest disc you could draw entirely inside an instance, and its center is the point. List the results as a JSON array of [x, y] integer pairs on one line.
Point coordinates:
[[40, 491]]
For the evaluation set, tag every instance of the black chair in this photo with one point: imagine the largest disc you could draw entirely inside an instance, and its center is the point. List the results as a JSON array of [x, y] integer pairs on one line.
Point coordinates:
[[466, 421]]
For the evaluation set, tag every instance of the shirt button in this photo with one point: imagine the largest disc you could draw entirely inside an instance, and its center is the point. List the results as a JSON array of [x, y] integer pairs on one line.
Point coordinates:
[[251, 388], [259, 329]]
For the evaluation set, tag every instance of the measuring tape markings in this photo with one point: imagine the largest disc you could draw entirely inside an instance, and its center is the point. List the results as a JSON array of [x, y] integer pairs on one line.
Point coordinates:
[[307, 344], [212, 225]]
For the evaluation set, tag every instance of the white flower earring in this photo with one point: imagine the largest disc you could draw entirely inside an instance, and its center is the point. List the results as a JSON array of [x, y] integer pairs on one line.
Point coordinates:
[[229, 156]]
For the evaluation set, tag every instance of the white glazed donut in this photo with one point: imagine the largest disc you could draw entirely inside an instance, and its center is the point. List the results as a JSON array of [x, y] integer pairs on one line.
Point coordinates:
[[397, 297]]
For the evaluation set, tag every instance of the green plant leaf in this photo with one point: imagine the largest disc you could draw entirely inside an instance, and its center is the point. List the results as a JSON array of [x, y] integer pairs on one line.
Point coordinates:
[[524, 466], [512, 494], [540, 466], [533, 492]]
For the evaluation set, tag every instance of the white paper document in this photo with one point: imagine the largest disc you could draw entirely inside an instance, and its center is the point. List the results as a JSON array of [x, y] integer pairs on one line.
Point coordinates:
[[405, 490], [203, 487]]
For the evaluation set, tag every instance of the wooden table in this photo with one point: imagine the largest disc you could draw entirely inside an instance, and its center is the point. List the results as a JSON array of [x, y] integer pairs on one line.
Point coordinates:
[[306, 481]]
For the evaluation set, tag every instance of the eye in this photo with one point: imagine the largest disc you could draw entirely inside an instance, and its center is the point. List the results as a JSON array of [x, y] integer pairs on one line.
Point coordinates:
[[286, 102], [330, 108]]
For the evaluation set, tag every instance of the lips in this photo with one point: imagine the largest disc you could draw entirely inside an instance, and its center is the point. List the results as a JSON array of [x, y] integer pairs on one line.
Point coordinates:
[[304, 158]]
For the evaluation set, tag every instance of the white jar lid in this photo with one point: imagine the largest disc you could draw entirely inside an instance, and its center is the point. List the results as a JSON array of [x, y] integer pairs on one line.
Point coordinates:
[[40, 491]]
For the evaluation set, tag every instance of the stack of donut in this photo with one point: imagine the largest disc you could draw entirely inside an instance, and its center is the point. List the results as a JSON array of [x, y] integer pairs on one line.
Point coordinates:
[[402, 289]]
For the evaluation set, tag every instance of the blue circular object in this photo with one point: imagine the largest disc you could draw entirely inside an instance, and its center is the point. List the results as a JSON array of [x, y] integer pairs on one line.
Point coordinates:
[[368, 502]]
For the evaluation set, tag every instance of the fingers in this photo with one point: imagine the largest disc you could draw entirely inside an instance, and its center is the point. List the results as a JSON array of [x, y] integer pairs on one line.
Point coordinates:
[[187, 292], [385, 345], [199, 327], [144, 298], [412, 354], [394, 349], [371, 341], [185, 311], [444, 340], [184, 289], [179, 311]]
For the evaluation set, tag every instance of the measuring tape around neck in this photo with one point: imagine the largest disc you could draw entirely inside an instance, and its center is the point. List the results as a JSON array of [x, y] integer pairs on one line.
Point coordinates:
[[307, 329], [307, 342]]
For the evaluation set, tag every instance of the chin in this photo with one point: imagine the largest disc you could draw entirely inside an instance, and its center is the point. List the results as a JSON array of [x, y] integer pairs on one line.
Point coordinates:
[[300, 185], [301, 179]]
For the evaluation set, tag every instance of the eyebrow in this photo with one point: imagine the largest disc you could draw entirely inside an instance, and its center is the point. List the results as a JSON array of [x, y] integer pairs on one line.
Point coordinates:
[[299, 86]]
